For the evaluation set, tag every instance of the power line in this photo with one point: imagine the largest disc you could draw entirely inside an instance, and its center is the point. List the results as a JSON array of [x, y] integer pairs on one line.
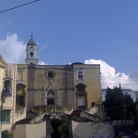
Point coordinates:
[[22, 5]]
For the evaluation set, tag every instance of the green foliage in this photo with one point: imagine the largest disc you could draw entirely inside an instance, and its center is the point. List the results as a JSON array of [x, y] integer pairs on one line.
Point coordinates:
[[7, 134], [75, 118], [63, 129], [131, 106], [117, 105]]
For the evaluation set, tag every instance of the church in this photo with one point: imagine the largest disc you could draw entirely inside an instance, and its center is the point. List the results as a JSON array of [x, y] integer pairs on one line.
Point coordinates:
[[76, 86], [45, 90]]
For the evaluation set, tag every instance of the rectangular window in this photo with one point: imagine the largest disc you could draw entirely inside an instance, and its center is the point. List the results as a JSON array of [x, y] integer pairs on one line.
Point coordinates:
[[20, 75], [80, 75], [81, 101], [6, 116]]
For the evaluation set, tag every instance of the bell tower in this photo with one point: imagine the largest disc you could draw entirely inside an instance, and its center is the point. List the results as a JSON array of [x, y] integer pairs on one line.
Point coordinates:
[[31, 52]]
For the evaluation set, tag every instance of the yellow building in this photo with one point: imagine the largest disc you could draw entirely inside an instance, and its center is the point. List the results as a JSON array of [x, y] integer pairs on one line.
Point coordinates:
[[77, 85], [87, 85]]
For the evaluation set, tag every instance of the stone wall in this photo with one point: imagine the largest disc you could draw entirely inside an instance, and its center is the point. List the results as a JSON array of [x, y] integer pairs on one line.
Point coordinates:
[[38, 83]]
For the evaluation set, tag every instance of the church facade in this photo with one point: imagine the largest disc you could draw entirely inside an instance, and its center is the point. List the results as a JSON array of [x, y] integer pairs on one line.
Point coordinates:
[[77, 85]]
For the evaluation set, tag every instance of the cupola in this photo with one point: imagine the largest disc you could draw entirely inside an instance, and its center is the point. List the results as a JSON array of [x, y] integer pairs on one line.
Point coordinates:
[[31, 52]]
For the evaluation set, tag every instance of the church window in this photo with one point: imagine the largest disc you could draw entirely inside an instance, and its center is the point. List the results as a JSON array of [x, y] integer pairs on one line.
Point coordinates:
[[7, 88], [81, 96], [50, 74], [31, 54], [81, 101], [51, 98], [20, 94], [50, 101], [80, 75], [20, 75]]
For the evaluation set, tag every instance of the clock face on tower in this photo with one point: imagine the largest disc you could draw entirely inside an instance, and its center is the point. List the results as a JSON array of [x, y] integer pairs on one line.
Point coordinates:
[[31, 54]]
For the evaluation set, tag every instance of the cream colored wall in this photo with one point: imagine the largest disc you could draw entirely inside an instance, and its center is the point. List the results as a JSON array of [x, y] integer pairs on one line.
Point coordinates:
[[20, 131], [92, 81], [6, 126], [30, 130], [36, 130], [91, 129]]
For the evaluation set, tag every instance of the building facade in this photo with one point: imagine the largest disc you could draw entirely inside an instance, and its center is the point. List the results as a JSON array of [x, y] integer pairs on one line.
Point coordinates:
[[30, 88], [77, 85]]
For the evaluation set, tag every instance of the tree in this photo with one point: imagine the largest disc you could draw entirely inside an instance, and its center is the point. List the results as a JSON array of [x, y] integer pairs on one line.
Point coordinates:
[[130, 106], [63, 129], [117, 105]]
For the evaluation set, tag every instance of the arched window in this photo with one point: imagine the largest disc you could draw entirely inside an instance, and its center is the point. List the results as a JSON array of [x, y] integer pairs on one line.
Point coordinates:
[[20, 94], [7, 88], [51, 98], [81, 96]]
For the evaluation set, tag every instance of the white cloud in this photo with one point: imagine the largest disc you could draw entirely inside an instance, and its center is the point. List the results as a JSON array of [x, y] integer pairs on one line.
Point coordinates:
[[12, 49], [110, 78], [41, 63]]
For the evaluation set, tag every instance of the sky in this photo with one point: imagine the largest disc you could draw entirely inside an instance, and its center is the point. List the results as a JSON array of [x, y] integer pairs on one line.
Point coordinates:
[[101, 32]]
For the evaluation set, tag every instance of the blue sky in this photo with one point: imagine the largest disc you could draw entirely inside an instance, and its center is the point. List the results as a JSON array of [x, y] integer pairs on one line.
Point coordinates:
[[68, 31]]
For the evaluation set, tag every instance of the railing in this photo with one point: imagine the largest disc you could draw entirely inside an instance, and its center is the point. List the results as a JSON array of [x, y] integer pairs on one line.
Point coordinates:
[[49, 109]]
